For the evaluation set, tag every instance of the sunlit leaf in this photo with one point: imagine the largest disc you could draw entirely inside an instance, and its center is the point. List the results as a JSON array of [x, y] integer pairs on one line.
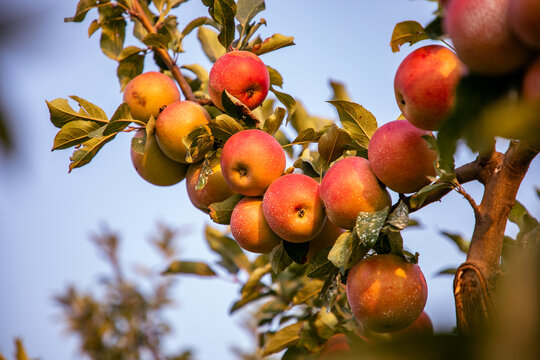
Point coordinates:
[[82, 9], [248, 9], [279, 259], [189, 267], [276, 41], [333, 143], [87, 152], [368, 225], [407, 32], [232, 256], [210, 43], [74, 133], [461, 243], [273, 123], [357, 121], [224, 126], [284, 338]]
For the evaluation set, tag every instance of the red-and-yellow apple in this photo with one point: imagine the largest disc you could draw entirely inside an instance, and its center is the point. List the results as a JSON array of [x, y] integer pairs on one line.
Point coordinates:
[[293, 208], [215, 190], [421, 327], [251, 160], [243, 75], [350, 187], [482, 36], [425, 85], [175, 122], [524, 17], [249, 227], [400, 157], [386, 293], [326, 238], [154, 166], [531, 82], [147, 93]]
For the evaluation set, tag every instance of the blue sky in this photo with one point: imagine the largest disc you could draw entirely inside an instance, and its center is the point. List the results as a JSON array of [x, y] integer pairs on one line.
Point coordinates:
[[47, 215]]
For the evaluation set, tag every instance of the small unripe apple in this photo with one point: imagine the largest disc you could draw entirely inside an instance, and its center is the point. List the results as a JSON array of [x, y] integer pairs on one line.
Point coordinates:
[[421, 327], [481, 33], [386, 293], [251, 160], [293, 208], [425, 85], [175, 122], [524, 17], [215, 190], [531, 82], [243, 75], [147, 93], [249, 227], [326, 238], [400, 157], [154, 166], [350, 187]]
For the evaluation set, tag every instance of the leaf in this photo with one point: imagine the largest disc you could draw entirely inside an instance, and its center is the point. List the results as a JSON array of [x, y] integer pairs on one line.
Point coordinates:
[[275, 77], [254, 279], [435, 29], [286, 100], [224, 12], [232, 256], [156, 41], [248, 9], [417, 200], [94, 26], [523, 219], [206, 171], [253, 296], [357, 121], [113, 34], [447, 271], [368, 225], [341, 252], [279, 259], [320, 265], [273, 123], [20, 351], [297, 251], [221, 212], [282, 339], [195, 23], [238, 110], [330, 289], [306, 136], [82, 9], [189, 267], [407, 32], [74, 133], [90, 148], [90, 109], [395, 241], [198, 143], [276, 41], [339, 91], [310, 164], [224, 126], [128, 68], [138, 144], [210, 44], [399, 218], [309, 290], [462, 244], [333, 143], [119, 121]]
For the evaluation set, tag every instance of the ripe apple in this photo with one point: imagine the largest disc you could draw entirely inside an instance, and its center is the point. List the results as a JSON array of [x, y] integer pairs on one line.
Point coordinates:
[[425, 85], [215, 190], [249, 227], [147, 93], [337, 344], [421, 327], [326, 238], [293, 208], [524, 17], [400, 157], [154, 166], [251, 160], [386, 293], [482, 36], [243, 75], [175, 122], [350, 187], [531, 82]]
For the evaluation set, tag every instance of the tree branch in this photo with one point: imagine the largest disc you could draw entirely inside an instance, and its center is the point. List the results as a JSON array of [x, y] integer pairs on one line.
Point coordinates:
[[137, 12]]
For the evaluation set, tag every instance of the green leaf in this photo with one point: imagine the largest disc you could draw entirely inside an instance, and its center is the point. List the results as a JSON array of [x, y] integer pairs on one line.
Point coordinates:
[[523, 219], [248, 9], [224, 126], [224, 13], [119, 121], [129, 66], [273, 123], [417, 200], [297, 251], [138, 144], [342, 251], [248, 298], [333, 143], [195, 23], [90, 109], [210, 43], [206, 171], [74, 133], [232, 256], [307, 136], [435, 29], [113, 34], [407, 32], [156, 41], [286, 100], [462, 244], [90, 148], [339, 91], [238, 110], [20, 351], [368, 225], [221, 212], [94, 26], [310, 163], [276, 41], [198, 143], [448, 271], [279, 259], [320, 265], [399, 218], [189, 267], [284, 338], [254, 280], [357, 121], [82, 9], [61, 112], [275, 77], [309, 290], [330, 289], [396, 243]]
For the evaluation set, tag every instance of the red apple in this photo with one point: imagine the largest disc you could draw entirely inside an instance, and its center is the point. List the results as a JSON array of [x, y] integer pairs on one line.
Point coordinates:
[[147, 93], [251, 160], [531, 82], [386, 293], [400, 157], [421, 327], [215, 190], [336, 345], [243, 75], [350, 187], [249, 227], [425, 85], [293, 208], [482, 36], [524, 17], [175, 122], [326, 238], [153, 166]]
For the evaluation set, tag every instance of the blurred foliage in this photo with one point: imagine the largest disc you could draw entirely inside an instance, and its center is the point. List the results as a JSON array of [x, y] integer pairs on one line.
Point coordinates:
[[20, 351]]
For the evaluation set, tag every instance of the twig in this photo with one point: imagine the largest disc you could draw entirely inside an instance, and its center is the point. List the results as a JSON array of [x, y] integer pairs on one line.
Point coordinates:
[[469, 198]]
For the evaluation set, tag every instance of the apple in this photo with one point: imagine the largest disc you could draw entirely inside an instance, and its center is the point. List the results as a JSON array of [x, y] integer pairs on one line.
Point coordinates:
[[421, 327], [524, 17], [153, 166], [350, 187], [175, 122], [249, 227], [337, 344], [215, 190], [386, 293], [293, 208], [481, 33], [425, 85], [251, 160], [326, 238], [243, 75], [400, 157], [531, 82], [147, 93]]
